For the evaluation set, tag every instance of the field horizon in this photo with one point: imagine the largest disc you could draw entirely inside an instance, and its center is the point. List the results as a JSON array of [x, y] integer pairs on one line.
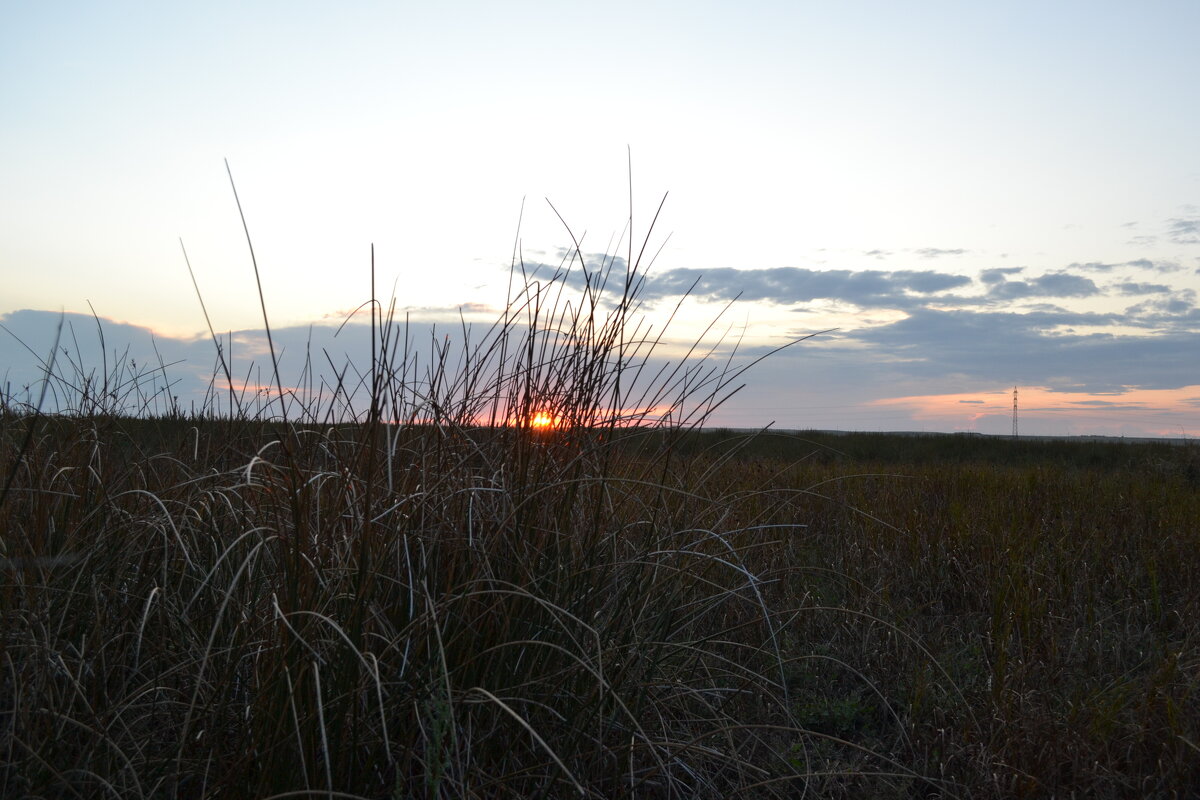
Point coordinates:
[[525, 564], [844, 614]]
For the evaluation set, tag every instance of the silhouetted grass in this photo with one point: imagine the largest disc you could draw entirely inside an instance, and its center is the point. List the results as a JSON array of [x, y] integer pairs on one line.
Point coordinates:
[[427, 596], [424, 595]]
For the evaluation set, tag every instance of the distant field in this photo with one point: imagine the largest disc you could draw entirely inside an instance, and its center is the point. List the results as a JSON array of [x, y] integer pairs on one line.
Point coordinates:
[[920, 447], [199, 608]]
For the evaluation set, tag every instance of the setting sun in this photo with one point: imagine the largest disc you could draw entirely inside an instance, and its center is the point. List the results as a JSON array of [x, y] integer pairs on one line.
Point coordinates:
[[542, 420]]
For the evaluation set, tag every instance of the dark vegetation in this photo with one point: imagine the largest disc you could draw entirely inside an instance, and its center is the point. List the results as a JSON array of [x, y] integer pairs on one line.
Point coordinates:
[[909, 449], [185, 614], [428, 597]]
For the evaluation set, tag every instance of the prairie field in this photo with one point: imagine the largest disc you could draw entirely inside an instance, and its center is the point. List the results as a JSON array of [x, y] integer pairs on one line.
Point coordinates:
[[227, 609], [502, 575]]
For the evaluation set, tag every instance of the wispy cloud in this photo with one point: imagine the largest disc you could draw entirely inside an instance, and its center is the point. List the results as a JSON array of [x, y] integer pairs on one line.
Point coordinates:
[[788, 285], [1184, 230], [1138, 263], [1095, 266], [1133, 288], [935, 252]]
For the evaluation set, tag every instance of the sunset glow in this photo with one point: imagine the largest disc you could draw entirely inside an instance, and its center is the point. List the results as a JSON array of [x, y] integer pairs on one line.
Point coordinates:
[[1162, 412], [885, 177]]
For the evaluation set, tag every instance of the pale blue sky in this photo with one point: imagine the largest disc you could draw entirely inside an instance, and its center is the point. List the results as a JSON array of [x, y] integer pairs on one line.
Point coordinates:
[[1039, 156]]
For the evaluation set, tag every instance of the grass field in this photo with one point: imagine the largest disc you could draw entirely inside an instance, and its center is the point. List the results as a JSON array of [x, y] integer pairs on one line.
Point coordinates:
[[183, 617], [459, 602]]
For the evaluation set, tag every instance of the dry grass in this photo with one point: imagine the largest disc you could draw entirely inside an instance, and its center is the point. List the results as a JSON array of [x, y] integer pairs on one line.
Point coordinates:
[[433, 598], [430, 597]]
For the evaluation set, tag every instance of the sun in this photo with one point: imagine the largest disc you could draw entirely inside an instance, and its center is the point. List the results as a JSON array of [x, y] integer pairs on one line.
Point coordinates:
[[542, 421]]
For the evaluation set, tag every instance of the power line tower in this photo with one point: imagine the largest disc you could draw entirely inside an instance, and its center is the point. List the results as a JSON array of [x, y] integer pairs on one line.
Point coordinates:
[[1014, 412]]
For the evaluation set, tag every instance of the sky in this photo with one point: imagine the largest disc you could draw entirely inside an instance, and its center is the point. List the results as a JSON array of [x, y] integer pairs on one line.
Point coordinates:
[[959, 198]]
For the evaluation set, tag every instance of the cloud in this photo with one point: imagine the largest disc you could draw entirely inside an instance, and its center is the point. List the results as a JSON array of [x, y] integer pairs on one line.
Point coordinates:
[[1155, 266], [1177, 311], [1138, 263], [465, 309], [1094, 266], [934, 252], [907, 290], [1184, 230], [1032, 348], [1116, 405], [604, 273], [928, 282], [928, 351], [787, 285], [1129, 287], [147, 369], [999, 274], [1054, 284]]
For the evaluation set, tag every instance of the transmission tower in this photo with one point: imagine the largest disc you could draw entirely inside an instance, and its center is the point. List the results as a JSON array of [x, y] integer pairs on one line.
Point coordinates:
[[1014, 412]]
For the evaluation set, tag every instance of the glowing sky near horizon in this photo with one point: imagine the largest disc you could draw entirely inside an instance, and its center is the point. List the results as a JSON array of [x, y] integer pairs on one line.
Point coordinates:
[[975, 195]]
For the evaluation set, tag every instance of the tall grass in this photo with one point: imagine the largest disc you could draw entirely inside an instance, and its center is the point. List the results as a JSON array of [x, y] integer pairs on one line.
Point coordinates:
[[433, 598], [391, 582]]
